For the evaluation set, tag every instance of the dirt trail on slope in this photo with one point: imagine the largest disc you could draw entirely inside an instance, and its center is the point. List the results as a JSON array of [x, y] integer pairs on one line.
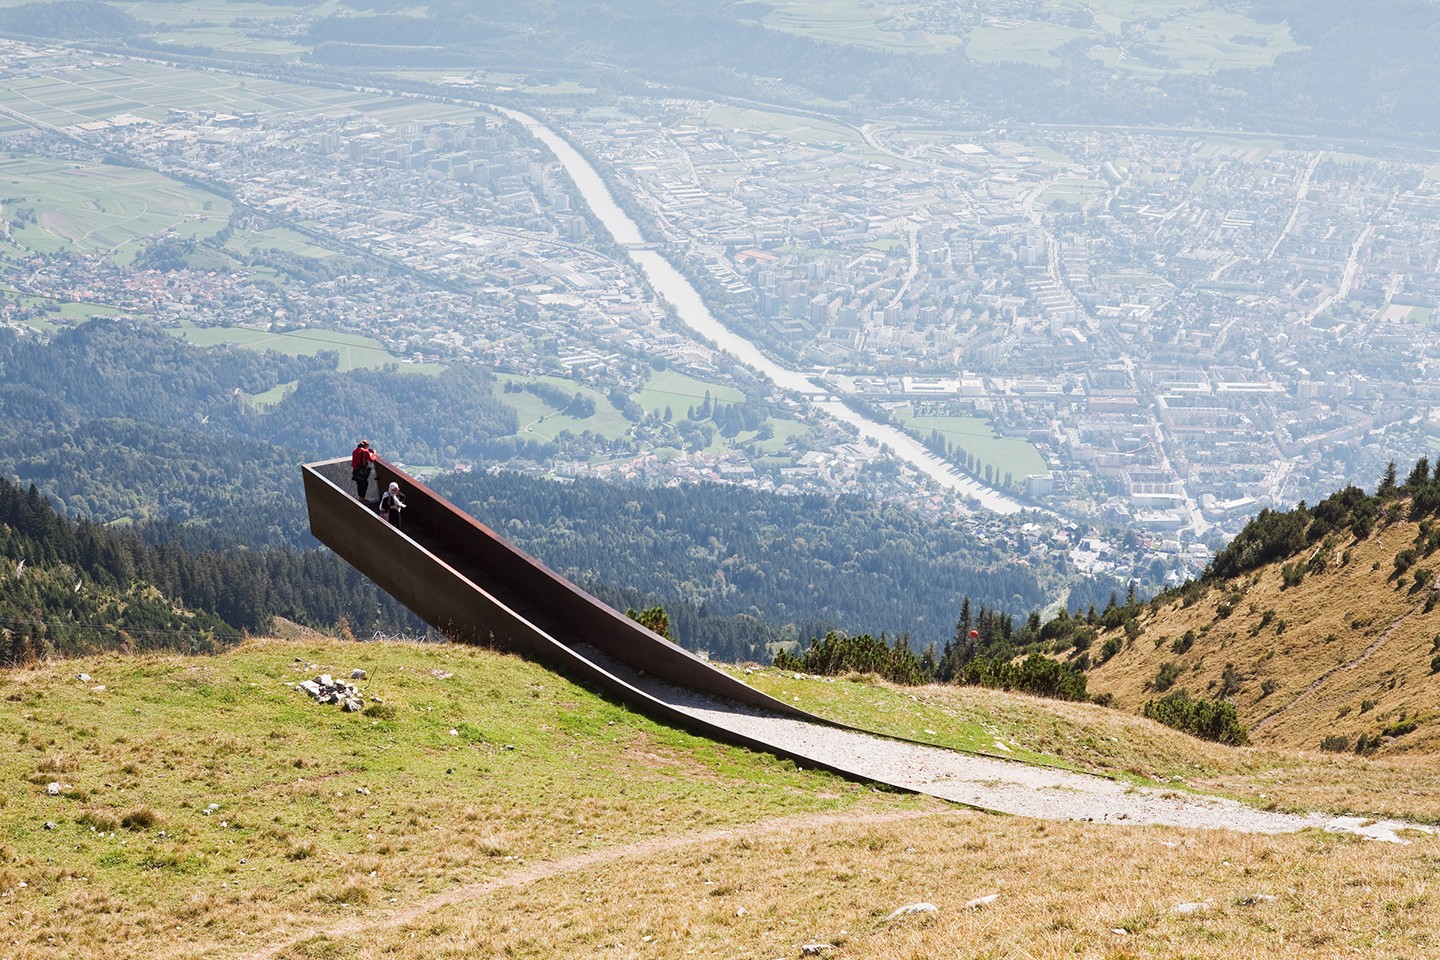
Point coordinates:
[[583, 861], [1350, 664], [984, 783]]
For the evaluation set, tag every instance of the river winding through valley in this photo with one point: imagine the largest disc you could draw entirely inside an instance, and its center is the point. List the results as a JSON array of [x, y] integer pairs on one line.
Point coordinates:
[[691, 310]]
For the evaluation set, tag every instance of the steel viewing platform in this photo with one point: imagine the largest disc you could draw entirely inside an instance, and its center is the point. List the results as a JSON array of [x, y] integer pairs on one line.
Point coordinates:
[[467, 582]]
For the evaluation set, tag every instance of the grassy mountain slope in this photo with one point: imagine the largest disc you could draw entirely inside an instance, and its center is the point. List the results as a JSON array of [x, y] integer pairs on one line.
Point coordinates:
[[1344, 653], [487, 807]]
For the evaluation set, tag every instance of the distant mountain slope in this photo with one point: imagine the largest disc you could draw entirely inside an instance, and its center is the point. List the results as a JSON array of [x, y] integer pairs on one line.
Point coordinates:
[[1321, 625], [1321, 67], [69, 20], [72, 587], [121, 421]]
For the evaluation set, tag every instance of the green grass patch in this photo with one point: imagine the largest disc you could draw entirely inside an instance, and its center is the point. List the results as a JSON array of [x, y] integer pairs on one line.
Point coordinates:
[[540, 420], [784, 430], [1073, 193], [1028, 41], [1248, 149], [680, 391], [235, 809], [356, 351], [277, 238], [870, 704], [838, 21], [789, 126], [150, 90], [1004, 454], [92, 207], [57, 313], [1207, 40]]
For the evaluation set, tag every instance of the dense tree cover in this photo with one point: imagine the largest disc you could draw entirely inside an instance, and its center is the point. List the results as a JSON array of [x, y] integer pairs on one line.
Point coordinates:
[[1207, 719], [840, 653], [982, 653], [121, 422], [725, 551], [69, 20], [1362, 70], [118, 368], [70, 586], [117, 420], [1274, 535], [408, 417]]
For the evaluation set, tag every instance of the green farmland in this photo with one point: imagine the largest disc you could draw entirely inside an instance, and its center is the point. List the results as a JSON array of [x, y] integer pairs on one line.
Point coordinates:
[[976, 437], [356, 352], [99, 208], [679, 392]]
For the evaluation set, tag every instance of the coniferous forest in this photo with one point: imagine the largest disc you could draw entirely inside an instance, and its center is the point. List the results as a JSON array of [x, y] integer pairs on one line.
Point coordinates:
[[69, 587], [151, 438]]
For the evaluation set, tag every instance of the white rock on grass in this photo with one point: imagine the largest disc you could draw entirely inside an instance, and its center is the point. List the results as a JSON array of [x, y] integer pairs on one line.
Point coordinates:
[[1197, 907], [984, 901], [913, 908]]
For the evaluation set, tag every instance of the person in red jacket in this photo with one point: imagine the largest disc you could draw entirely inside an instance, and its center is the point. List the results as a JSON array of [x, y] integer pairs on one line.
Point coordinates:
[[362, 461]]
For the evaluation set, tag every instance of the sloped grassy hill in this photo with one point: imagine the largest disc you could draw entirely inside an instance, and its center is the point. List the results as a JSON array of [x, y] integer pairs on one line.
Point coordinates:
[[471, 763], [1331, 638], [485, 807]]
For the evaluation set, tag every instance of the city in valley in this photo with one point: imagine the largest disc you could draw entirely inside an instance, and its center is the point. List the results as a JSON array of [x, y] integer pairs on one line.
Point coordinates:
[[1156, 330]]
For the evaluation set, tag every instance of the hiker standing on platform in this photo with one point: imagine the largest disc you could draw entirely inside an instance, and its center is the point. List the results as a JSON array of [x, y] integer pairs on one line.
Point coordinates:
[[362, 461], [391, 503]]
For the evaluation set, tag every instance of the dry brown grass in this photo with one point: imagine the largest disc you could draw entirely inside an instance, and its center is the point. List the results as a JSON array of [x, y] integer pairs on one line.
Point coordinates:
[[1110, 741], [1363, 641], [1064, 890], [601, 829], [380, 810], [1114, 742]]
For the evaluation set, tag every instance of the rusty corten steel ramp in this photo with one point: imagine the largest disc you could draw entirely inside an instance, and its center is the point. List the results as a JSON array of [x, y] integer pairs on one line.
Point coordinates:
[[462, 578]]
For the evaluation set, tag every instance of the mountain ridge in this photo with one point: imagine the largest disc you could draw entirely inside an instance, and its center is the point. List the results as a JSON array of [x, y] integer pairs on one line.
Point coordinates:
[[1320, 625]]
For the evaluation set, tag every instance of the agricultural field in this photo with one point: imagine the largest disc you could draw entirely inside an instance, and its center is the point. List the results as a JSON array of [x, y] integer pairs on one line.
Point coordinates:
[[1204, 41], [150, 90], [98, 208], [1003, 454], [540, 420], [839, 21], [1019, 41], [356, 352], [1173, 37], [680, 391], [788, 126], [277, 238]]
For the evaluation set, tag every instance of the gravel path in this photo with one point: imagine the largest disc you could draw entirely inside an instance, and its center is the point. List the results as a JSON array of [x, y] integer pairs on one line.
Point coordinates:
[[991, 784]]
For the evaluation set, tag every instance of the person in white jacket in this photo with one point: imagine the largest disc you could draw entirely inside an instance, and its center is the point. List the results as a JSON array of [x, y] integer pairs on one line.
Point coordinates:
[[391, 503]]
